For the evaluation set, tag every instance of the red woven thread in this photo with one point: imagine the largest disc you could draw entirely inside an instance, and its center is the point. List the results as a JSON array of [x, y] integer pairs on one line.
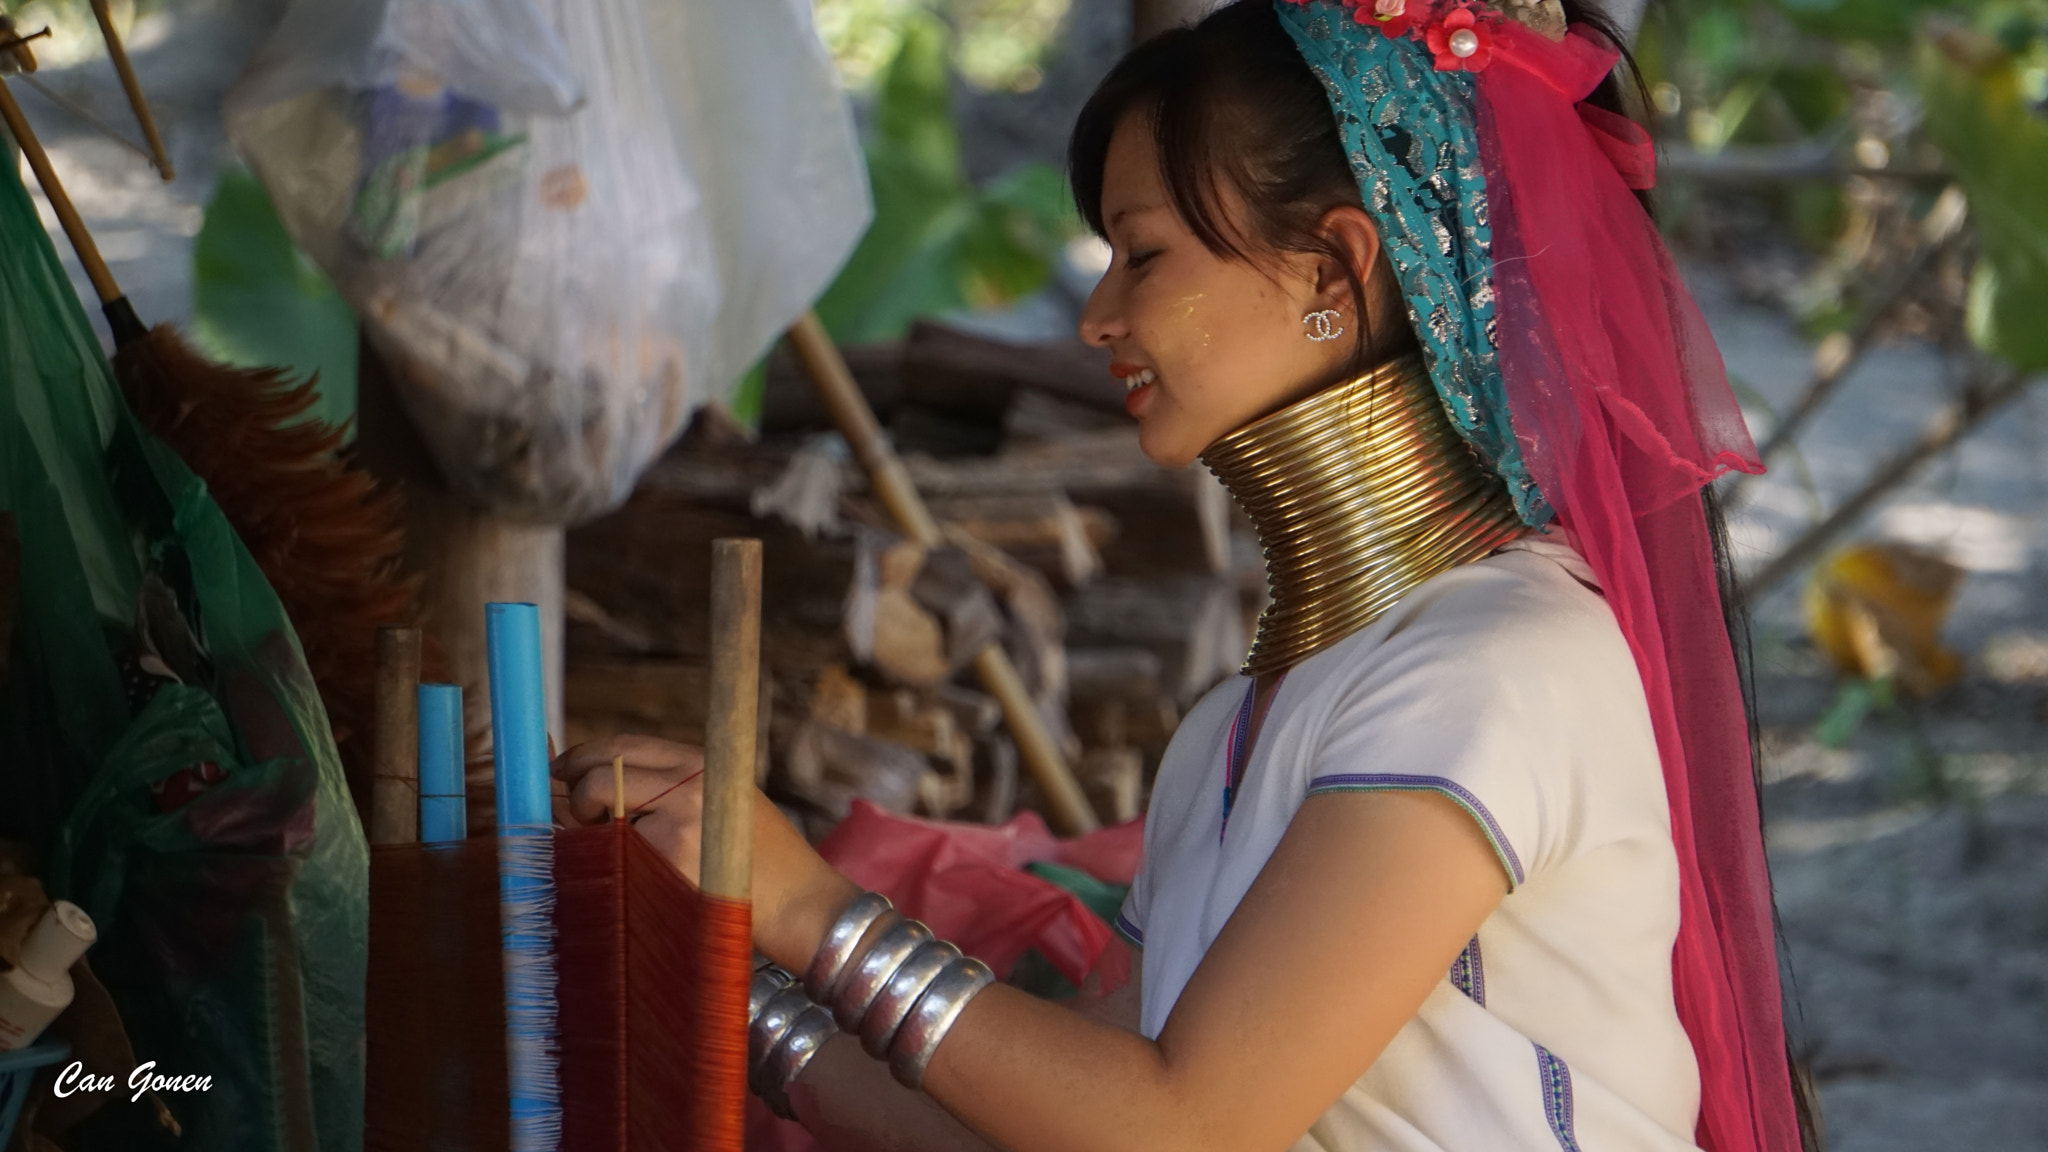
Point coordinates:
[[725, 952]]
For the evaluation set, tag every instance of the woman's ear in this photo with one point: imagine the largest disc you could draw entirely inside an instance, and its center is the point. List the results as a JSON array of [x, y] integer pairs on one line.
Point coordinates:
[[1352, 235]]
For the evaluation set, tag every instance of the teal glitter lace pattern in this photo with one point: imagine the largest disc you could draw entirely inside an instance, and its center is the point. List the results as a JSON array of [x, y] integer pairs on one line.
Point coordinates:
[[1410, 133]]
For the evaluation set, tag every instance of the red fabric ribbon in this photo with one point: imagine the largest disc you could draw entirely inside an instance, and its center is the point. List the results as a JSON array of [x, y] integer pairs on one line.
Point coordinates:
[[1623, 411]]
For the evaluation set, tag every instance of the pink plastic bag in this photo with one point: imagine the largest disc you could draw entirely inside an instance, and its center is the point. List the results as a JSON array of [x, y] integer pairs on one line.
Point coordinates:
[[967, 883]]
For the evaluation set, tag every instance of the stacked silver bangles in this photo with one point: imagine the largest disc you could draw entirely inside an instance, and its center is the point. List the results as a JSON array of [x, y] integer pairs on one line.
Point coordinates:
[[900, 995]]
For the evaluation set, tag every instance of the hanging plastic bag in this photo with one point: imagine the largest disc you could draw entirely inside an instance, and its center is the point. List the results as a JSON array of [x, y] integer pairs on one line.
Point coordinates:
[[565, 247], [165, 749]]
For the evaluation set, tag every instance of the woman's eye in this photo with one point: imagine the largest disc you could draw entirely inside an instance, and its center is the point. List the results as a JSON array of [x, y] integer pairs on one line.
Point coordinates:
[[1140, 259]]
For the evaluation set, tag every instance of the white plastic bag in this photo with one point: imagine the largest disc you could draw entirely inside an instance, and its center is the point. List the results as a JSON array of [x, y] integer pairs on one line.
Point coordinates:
[[566, 224]]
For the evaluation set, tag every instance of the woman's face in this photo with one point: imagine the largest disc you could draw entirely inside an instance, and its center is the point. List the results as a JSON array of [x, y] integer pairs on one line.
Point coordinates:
[[1204, 343]]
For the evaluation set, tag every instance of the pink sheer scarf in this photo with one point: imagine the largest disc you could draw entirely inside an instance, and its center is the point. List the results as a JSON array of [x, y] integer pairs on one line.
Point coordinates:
[[1623, 411]]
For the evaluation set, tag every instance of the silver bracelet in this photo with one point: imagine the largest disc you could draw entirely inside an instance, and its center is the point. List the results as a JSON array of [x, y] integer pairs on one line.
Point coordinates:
[[789, 1057], [840, 940], [886, 1014], [769, 1028], [866, 977], [769, 978], [933, 1016]]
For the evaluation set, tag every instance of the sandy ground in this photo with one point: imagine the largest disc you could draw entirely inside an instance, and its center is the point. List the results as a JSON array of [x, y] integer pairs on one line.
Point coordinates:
[[1913, 887]]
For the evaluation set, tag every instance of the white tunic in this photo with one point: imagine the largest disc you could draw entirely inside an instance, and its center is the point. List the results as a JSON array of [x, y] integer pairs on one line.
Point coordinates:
[[1507, 686]]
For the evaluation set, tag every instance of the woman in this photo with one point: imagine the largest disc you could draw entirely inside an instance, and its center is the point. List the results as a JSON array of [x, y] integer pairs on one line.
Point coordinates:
[[1469, 858]]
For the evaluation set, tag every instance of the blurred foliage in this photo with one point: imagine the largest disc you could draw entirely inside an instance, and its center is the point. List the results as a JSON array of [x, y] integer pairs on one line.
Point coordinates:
[[1903, 94], [257, 301], [937, 243], [1980, 115], [996, 44]]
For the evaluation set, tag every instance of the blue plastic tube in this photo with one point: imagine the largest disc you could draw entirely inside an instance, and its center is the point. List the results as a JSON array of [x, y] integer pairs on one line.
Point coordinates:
[[444, 807], [526, 887]]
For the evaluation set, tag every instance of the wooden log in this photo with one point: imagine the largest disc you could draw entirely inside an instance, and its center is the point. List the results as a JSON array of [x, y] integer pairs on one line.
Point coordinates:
[[830, 769], [661, 698], [1046, 530], [1115, 781], [894, 488], [995, 781], [838, 700], [395, 780], [952, 370]]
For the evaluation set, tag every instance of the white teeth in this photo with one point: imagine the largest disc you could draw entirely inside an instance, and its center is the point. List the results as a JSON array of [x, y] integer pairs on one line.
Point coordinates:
[[1139, 379]]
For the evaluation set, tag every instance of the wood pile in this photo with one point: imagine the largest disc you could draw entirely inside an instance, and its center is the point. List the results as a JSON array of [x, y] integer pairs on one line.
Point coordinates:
[[1121, 590]]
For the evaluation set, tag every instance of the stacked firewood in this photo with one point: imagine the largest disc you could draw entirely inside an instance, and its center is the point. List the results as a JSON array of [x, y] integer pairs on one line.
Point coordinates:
[[1121, 591]]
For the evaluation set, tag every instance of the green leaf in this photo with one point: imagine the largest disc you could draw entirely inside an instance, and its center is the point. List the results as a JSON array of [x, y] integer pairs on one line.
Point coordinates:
[[259, 302], [936, 244], [1856, 700], [921, 197], [1978, 115]]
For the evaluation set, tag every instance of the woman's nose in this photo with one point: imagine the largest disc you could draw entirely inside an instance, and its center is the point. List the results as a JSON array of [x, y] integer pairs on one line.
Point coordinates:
[[1102, 319]]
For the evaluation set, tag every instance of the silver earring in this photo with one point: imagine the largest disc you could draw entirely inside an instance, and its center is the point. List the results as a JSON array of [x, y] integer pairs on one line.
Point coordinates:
[[1324, 325]]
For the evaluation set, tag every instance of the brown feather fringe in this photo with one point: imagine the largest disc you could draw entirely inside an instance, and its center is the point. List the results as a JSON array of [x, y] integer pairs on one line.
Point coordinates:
[[327, 535]]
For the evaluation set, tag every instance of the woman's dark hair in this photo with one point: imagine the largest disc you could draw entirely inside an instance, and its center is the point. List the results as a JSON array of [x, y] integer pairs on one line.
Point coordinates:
[[1235, 110]]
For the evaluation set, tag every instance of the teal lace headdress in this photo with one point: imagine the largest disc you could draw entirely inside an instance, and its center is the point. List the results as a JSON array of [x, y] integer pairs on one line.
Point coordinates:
[[1410, 131]]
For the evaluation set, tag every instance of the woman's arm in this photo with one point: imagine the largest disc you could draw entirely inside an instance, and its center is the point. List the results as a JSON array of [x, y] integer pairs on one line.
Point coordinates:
[[1351, 924], [852, 1104]]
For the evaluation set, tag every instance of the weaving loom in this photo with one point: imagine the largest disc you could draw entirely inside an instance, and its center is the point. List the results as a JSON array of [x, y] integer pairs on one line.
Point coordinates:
[[637, 1039]]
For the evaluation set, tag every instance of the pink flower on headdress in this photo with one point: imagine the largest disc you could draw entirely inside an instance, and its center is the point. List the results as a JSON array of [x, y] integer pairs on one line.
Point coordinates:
[[1460, 42], [1391, 16]]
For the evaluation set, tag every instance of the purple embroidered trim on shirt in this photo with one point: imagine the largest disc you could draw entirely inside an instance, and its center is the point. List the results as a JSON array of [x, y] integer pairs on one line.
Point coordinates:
[[1468, 973], [1132, 932], [1557, 1097], [1233, 751], [1396, 782]]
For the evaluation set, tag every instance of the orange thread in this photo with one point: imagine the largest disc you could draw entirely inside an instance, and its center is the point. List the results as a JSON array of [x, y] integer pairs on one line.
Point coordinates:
[[665, 791], [724, 970]]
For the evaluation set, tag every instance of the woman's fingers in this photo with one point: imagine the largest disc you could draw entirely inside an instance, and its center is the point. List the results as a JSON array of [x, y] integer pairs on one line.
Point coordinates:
[[643, 752], [591, 799]]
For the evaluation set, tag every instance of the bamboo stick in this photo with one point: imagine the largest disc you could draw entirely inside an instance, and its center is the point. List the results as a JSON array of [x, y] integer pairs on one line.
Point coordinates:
[[53, 189], [133, 87], [731, 724], [395, 779], [1071, 813]]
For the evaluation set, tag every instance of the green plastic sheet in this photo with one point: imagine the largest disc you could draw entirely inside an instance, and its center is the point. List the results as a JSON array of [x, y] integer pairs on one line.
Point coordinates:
[[163, 745]]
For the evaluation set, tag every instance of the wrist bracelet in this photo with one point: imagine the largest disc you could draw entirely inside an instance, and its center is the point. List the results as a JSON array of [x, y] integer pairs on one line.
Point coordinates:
[[768, 979], [933, 1016], [791, 1055], [778, 1015], [839, 943], [884, 1016], [865, 977]]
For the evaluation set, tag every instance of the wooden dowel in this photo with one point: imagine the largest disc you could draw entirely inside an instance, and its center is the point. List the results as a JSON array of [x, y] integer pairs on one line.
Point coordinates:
[[395, 783], [67, 215], [856, 422], [731, 722], [119, 54]]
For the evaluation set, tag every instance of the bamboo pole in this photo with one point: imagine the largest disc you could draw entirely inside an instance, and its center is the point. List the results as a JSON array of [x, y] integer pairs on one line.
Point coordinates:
[[856, 422], [395, 782], [731, 723], [53, 189], [157, 156]]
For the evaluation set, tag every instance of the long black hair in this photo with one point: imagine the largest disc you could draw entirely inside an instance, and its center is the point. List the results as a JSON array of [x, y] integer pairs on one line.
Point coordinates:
[[1235, 109]]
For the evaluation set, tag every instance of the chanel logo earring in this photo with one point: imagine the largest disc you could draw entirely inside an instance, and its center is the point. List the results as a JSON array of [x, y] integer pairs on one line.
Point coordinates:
[[1324, 325]]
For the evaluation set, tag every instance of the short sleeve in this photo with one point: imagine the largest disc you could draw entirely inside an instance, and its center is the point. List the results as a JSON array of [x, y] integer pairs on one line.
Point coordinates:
[[1490, 695]]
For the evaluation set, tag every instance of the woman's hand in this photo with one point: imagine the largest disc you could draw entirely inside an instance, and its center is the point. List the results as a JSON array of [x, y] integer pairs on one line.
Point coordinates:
[[795, 893]]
